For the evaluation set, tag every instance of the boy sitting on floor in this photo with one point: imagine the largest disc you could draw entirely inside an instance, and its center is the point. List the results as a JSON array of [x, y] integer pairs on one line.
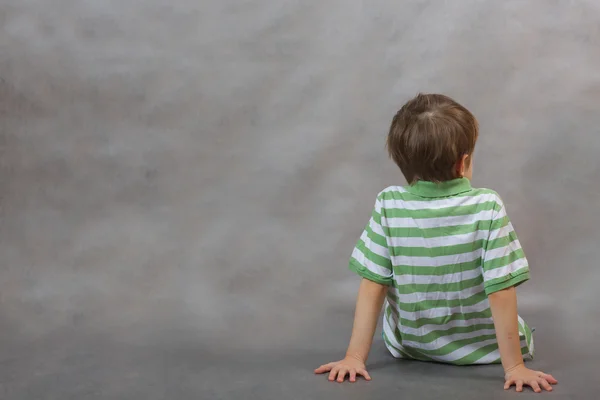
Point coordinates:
[[442, 255]]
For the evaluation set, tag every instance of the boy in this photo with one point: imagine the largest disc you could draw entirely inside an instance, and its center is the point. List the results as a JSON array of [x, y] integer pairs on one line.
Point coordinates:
[[442, 255]]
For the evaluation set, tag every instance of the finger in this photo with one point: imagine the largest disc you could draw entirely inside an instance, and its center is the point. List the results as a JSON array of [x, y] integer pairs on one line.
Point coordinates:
[[364, 373], [342, 374], [352, 375], [519, 386], [549, 378], [333, 373], [535, 386], [324, 368], [508, 384], [545, 384]]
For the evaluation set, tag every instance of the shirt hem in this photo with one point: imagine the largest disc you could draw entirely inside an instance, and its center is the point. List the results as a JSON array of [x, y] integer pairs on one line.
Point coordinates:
[[511, 280], [365, 273]]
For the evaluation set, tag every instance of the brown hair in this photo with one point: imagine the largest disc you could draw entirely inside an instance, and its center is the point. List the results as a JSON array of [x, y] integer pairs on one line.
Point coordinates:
[[429, 135]]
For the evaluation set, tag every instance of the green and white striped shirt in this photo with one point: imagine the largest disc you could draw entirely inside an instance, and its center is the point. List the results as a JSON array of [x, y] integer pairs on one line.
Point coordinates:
[[442, 249]]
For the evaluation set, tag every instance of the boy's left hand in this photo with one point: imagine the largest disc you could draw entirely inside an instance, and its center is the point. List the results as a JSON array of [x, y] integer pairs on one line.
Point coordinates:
[[348, 366], [522, 375]]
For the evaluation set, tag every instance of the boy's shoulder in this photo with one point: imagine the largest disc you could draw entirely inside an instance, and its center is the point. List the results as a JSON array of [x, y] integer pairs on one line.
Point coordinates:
[[402, 193]]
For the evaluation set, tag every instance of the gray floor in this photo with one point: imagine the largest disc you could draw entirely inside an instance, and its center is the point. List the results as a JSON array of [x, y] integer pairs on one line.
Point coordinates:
[[181, 185], [74, 365]]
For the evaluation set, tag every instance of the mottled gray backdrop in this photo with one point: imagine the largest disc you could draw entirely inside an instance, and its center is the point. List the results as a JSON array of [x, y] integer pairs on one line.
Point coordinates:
[[195, 173]]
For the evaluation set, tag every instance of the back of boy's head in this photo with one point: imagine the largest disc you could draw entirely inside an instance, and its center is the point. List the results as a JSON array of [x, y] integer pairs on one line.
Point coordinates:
[[429, 136]]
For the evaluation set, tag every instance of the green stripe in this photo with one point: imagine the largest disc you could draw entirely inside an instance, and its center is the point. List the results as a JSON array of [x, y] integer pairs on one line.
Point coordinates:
[[499, 223], [402, 353], [433, 335], [416, 355], [480, 353], [406, 196], [505, 282], [441, 321], [501, 241], [376, 217], [412, 353], [477, 354], [437, 251], [455, 249], [439, 287], [522, 331], [527, 332], [429, 304], [455, 345], [398, 337], [441, 231], [439, 270], [363, 272], [503, 261], [375, 237], [453, 211], [373, 257]]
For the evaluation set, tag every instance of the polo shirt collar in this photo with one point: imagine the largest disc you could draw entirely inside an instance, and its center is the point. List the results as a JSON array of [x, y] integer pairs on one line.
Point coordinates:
[[443, 189]]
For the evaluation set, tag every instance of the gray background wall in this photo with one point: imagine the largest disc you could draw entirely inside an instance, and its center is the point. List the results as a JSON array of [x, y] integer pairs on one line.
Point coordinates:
[[197, 172]]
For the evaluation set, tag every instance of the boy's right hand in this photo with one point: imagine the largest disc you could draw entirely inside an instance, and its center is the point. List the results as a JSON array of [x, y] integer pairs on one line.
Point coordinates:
[[522, 376], [348, 366]]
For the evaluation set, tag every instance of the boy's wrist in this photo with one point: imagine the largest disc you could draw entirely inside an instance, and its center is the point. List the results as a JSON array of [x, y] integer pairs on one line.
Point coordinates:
[[514, 367], [356, 356]]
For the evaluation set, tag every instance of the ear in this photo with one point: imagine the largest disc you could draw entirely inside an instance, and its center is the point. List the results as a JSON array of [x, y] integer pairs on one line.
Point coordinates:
[[461, 165]]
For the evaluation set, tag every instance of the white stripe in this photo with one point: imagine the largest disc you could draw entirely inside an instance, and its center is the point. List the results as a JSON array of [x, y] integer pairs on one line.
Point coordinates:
[[445, 340], [489, 358], [378, 206], [371, 266], [493, 356], [376, 228], [412, 298], [502, 251], [502, 232], [374, 247], [424, 261], [522, 323], [464, 351], [522, 326], [399, 189], [437, 204], [426, 329], [441, 311], [393, 351], [443, 241], [388, 328], [518, 267], [437, 279], [424, 223], [439, 260], [501, 214], [530, 344]]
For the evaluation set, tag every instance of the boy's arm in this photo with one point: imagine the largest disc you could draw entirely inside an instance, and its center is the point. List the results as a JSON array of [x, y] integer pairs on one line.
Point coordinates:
[[368, 307], [505, 267], [372, 261], [503, 304], [504, 311]]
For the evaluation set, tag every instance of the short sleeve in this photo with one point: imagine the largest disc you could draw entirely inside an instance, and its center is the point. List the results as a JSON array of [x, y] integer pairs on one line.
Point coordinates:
[[504, 262], [371, 258]]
